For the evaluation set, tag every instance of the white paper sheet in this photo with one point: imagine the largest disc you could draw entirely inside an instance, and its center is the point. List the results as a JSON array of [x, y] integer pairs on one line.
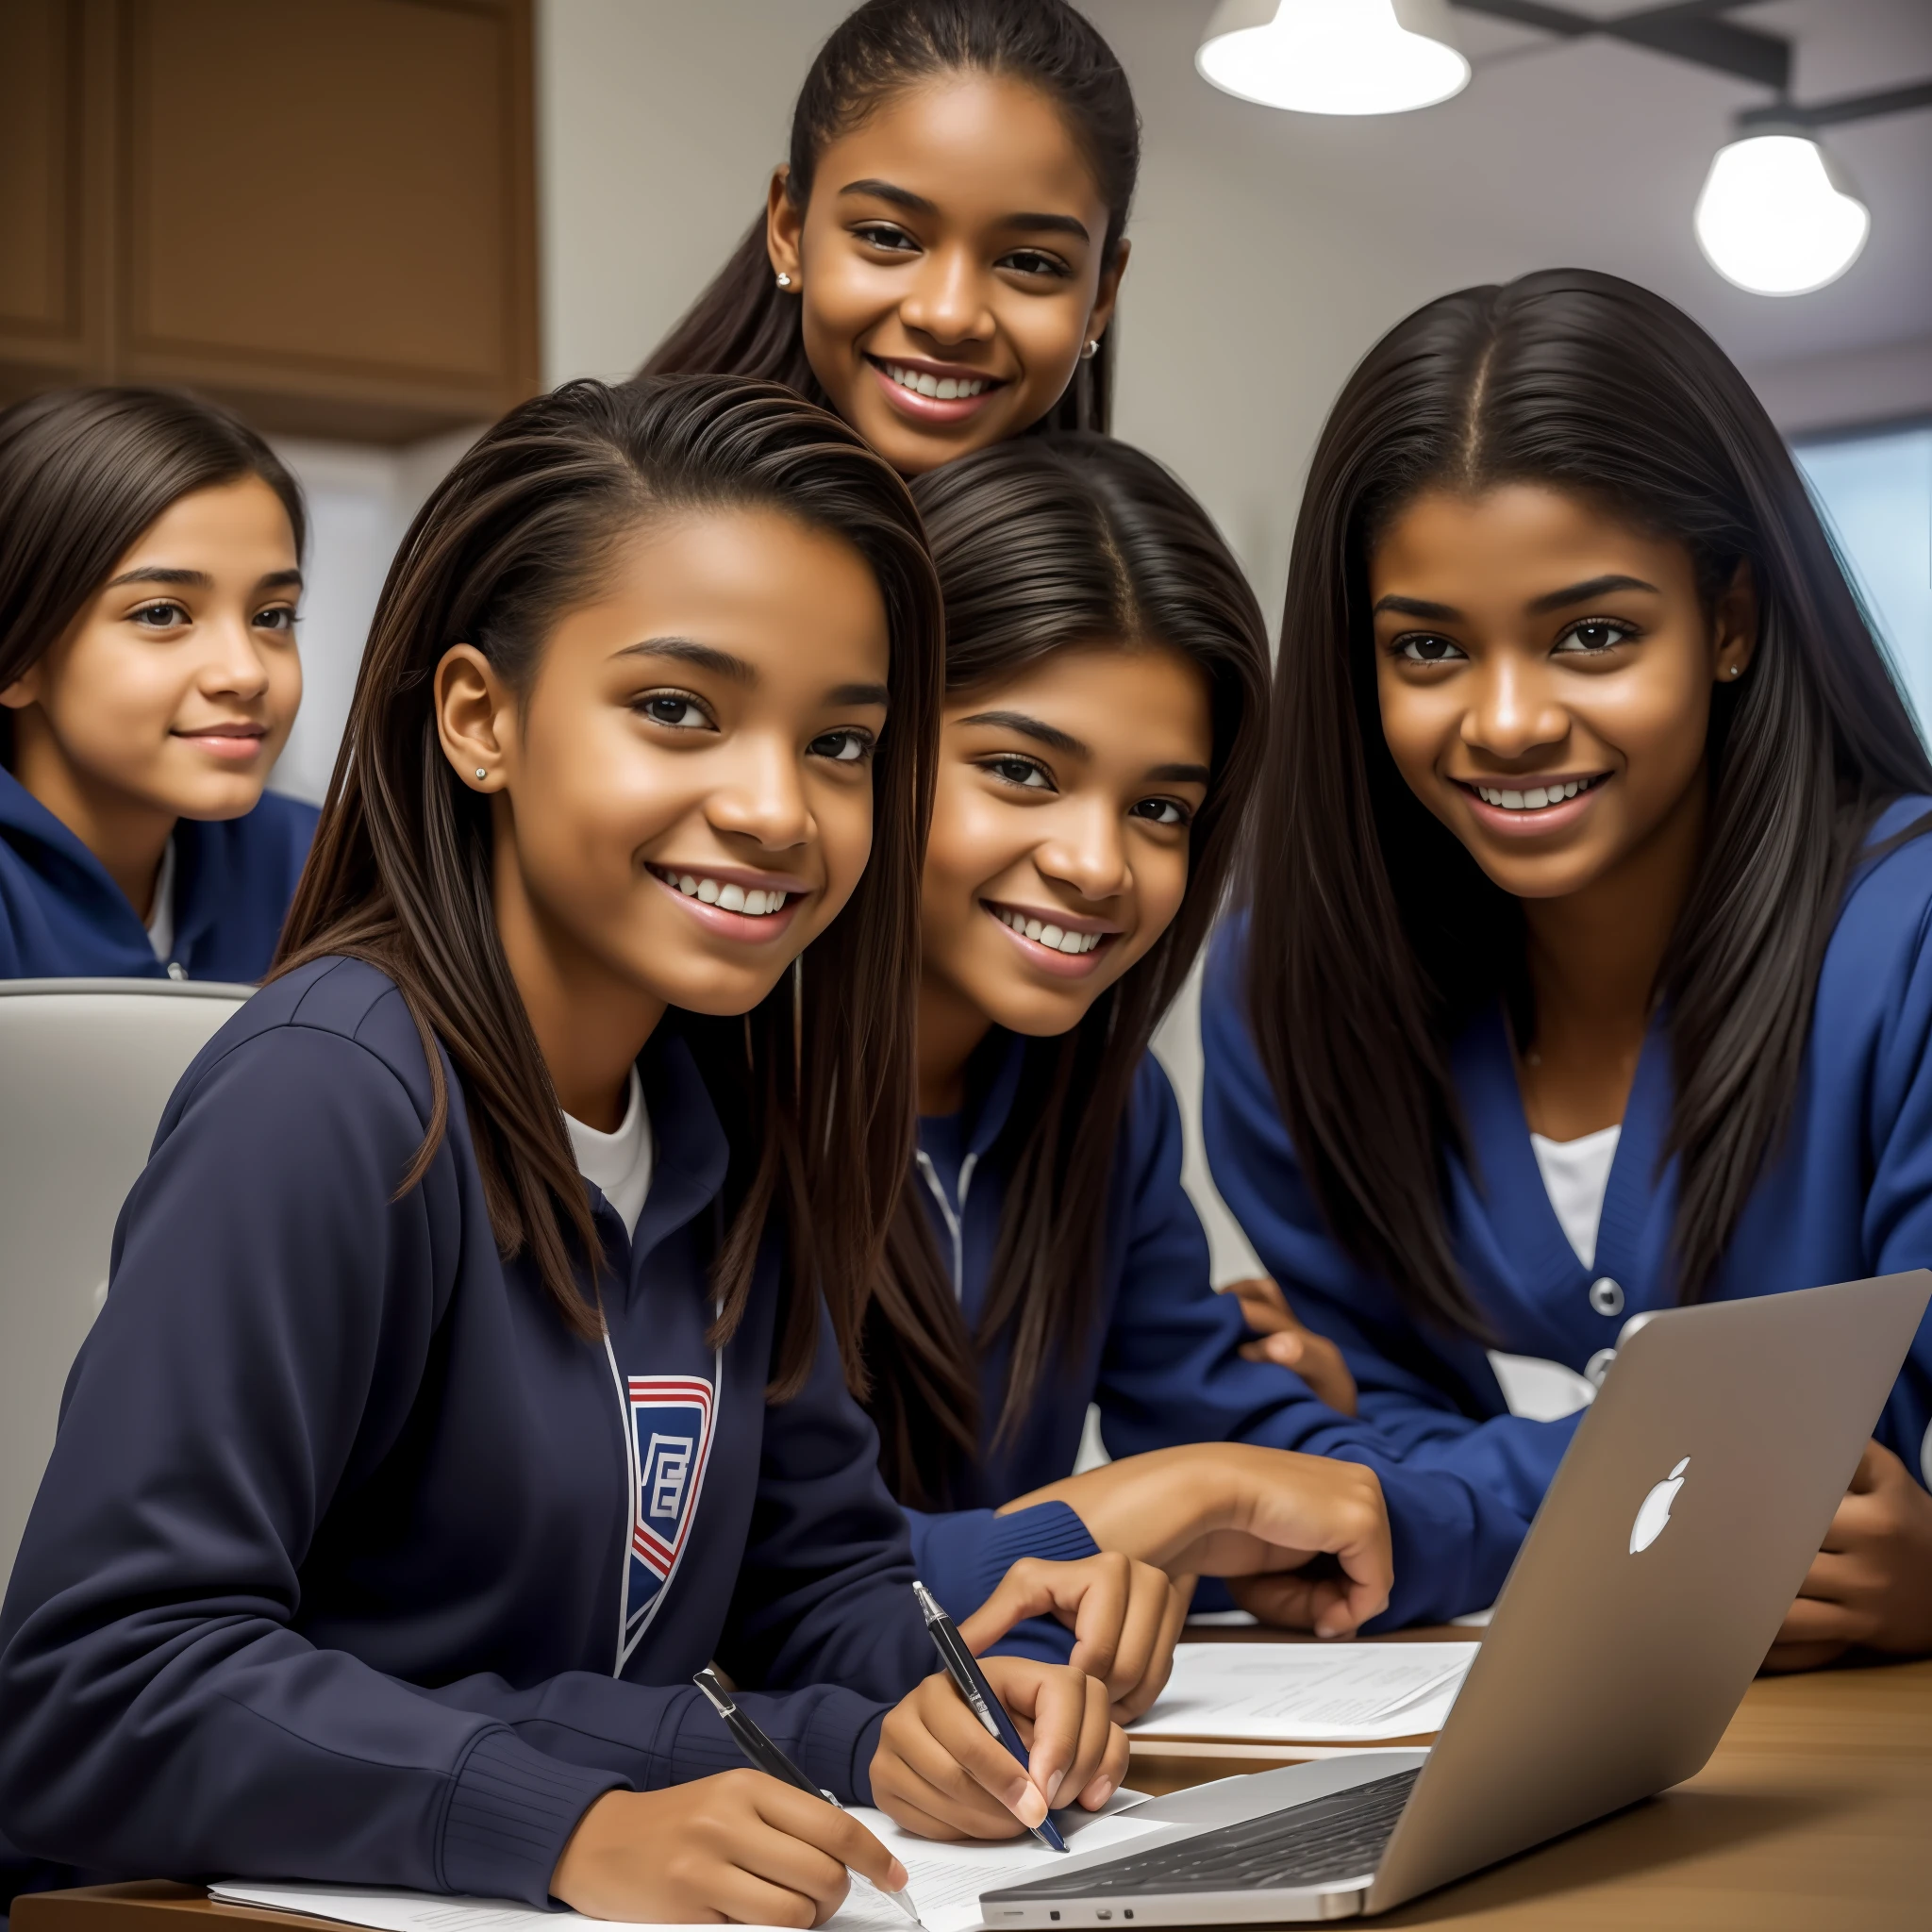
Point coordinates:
[[946, 1881], [1309, 1694]]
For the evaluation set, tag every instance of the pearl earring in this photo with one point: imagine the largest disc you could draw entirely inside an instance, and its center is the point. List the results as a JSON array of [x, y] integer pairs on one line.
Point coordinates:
[[1736, 670], [1091, 350], [783, 281], [481, 772]]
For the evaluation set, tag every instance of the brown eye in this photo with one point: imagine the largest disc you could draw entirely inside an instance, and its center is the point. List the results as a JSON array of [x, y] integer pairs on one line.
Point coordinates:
[[1591, 635], [1424, 647]]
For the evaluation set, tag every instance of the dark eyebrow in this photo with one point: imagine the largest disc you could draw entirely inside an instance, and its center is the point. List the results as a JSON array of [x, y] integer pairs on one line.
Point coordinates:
[[1417, 607], [918, 205], [884, 191], [1179, 774], [282, 579], [1597, 587], [158, 573], [859, 694], [1057, 224], [1048, 735], [686, 651]]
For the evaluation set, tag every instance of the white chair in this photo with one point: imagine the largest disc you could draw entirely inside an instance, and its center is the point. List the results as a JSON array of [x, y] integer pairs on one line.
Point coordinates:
[[86, 1069]]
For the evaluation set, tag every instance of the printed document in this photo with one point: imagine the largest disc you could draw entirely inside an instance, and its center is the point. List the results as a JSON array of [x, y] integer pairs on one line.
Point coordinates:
[[1308, 1693], [946, 1881]]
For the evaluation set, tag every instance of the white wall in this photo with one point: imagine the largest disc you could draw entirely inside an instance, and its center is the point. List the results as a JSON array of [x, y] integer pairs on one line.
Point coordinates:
[[360, 500]]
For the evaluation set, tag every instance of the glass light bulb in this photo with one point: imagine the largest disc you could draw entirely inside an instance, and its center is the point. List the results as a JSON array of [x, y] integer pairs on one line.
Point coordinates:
[[1771, 219], [1334, 57]]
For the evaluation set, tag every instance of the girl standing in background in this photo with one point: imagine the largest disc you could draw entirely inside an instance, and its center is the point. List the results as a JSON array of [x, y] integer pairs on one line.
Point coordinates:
[[150, 567], [940, 256], [1584, 969]]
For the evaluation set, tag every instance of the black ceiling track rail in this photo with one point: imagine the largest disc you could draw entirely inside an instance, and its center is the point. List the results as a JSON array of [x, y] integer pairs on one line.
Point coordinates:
[[1697, 31]]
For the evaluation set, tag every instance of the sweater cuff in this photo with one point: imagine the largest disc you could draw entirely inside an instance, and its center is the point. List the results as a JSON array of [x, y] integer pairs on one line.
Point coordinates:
[[830, 1732], [510, 1815], [963, 1554]]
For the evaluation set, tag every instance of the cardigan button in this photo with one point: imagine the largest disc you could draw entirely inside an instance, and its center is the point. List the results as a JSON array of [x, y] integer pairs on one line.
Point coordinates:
[[1606, 1296], [1598, 1366]]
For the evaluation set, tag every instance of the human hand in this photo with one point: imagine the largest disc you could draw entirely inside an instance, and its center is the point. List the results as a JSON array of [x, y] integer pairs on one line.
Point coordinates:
[[739, 1846], [940, 1773], [1286, 1342], [1124, 1615], [1870, 1584], [1237, 1509]]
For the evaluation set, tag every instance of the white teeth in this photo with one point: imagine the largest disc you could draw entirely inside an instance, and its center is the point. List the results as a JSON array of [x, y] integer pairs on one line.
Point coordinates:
[[1046, 934], [755, 901], [1535, 799], [941, 389]]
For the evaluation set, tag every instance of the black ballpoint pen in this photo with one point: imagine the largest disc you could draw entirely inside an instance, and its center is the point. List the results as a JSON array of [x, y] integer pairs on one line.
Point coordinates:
[[969, 1681], [767, 1758]]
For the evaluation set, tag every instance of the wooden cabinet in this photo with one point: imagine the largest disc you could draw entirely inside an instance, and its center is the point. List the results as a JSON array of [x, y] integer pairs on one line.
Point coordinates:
[[322, 210]]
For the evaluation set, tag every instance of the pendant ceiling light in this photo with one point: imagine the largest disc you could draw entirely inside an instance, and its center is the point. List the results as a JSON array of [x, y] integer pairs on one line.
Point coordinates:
[[1776, 218], [1333, 57]]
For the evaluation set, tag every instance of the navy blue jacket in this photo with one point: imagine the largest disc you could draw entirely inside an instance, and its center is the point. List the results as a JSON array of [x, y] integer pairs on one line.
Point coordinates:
[[62, 916], [353, 1563], [1849, 1196], [1163, 1362]]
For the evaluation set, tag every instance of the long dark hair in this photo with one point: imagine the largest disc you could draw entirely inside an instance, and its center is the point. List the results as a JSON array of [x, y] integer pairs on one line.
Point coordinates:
[[1043, 544], [1373, 936], [400, 873], [745, 324], [83, 472]]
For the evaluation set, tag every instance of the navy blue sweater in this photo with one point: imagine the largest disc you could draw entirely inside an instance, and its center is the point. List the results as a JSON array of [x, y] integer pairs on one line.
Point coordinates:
[[353, 1563], [62, 916], [1163, 1362], [1849, 1196]]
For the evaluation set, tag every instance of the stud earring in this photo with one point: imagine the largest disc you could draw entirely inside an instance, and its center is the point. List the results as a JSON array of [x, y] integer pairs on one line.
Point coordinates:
[[783, 281], [481, 774], [1091, 350], [1736, 671]]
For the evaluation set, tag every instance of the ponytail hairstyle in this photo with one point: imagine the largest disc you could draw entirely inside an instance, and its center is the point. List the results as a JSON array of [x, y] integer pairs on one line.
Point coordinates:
[[1044, 544], [1375, 936], [817, 1107], [83, 472], [745, 324]]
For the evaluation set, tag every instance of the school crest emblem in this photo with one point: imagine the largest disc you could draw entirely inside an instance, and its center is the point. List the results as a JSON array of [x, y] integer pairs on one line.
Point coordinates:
[[671, 1444]]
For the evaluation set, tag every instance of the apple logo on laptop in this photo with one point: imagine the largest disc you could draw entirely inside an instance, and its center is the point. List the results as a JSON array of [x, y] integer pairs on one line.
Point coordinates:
[[1655, 1510]]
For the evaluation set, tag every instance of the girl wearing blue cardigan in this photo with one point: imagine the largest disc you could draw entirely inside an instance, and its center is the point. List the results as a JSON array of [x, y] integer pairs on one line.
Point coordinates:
[[1584, 969], [1105, 692]]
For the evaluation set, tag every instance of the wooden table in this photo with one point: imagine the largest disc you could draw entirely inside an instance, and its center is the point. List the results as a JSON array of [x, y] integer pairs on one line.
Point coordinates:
[[1815, 1815]]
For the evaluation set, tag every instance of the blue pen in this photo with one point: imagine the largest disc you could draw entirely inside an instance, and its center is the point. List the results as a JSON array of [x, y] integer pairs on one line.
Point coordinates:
[[969, 1681]]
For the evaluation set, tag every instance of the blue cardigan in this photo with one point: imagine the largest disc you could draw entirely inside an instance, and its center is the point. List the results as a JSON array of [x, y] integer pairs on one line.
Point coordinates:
[[1163, 1362], [1849, 1196], [62, 916], [353, 1563]]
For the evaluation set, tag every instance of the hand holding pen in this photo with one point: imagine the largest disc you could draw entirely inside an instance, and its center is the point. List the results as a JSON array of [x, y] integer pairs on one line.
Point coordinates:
[[943, 1770], [766, 1757]]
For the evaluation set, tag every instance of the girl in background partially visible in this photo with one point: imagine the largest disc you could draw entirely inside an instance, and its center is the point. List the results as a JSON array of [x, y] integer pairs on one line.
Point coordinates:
[[150, 568], [940, 256], [1106, 676]]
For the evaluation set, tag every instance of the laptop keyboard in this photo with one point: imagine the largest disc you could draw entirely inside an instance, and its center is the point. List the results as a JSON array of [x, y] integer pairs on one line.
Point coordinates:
[[1329, 1839]]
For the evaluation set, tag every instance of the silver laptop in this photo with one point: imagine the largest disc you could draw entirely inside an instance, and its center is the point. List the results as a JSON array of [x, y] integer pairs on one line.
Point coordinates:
[[1669, 1546]]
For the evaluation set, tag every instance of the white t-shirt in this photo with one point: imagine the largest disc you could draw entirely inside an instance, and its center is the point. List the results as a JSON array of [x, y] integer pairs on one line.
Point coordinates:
[[1576, 1175], [618, 1163], [161, 928]]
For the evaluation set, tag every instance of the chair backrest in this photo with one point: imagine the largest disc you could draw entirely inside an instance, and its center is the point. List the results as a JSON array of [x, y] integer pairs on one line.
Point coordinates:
[[86, 1069]]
